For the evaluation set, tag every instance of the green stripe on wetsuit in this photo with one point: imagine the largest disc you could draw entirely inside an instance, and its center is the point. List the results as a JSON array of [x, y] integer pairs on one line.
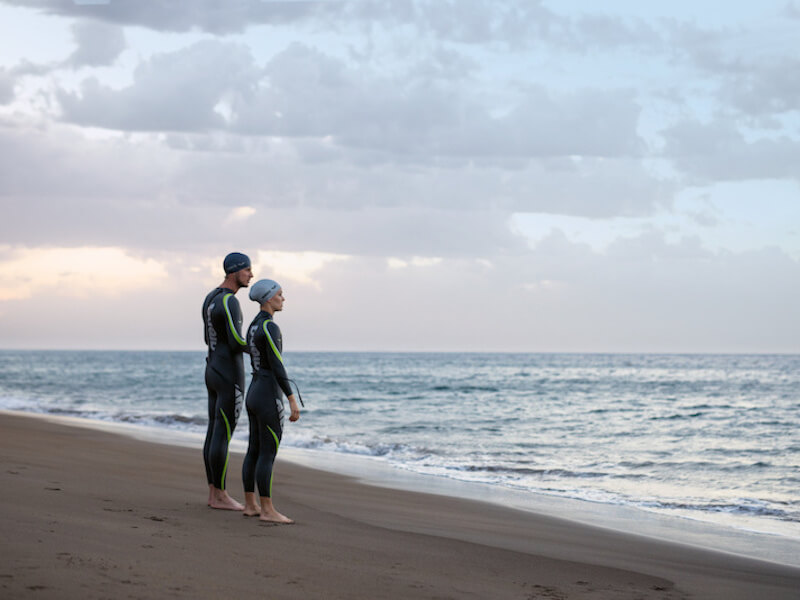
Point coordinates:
[[235, 333], [228, 452], [277, 445], [271, 343]]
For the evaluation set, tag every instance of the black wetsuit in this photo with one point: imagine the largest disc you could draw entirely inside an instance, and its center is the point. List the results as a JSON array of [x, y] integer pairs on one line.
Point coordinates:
[[224, 379], [264, 403]]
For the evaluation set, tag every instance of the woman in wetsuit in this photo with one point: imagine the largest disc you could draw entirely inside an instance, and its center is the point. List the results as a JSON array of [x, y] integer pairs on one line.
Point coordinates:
[[265, 403]]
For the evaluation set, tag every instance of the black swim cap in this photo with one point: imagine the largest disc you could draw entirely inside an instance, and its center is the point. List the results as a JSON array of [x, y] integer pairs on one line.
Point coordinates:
[[235, 261]]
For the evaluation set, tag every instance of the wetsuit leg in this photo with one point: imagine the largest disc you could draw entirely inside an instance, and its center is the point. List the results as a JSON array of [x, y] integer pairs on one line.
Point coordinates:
[[265, 409], [222, 421], [251, 458], [212, 411], [269, 438]]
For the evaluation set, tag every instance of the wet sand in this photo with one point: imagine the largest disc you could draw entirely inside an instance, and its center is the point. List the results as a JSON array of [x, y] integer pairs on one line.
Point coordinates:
[[91, 514]]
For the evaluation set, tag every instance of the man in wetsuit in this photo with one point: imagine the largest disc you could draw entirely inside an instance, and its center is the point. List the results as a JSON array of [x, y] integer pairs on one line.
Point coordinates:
[[222, 318]]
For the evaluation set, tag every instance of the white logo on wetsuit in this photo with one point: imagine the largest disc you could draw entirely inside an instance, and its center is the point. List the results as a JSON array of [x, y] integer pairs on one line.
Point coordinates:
[[212, 333], [255, 355], [281, 410], [238, 398]]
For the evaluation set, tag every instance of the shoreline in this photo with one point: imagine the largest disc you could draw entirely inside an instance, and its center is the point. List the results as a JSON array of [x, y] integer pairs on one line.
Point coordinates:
[[97, 514], [754, 544]]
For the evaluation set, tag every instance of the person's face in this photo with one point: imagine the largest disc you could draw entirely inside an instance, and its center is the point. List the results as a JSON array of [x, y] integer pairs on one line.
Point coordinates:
[[276, 302], [244, 276]]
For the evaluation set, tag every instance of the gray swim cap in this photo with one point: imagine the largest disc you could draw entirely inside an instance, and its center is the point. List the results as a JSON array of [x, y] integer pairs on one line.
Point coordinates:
[[263, 289], [235, 261]]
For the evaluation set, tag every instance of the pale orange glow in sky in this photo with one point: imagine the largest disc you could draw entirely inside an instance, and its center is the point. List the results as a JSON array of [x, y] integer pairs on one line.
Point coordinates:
[[294, 266], [75, 273]]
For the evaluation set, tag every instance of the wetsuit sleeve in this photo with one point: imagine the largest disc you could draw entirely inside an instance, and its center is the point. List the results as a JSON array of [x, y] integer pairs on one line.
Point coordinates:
[[274, 342], [233, 315]]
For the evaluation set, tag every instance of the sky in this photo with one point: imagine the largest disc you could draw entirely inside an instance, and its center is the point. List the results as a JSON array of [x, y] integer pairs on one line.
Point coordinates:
[[418, 175]]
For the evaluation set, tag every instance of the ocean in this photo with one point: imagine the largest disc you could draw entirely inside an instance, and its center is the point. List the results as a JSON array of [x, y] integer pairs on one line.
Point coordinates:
[[705, 439]]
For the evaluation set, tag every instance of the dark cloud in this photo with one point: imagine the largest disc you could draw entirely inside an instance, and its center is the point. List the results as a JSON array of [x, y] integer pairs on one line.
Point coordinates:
[[98, 44]]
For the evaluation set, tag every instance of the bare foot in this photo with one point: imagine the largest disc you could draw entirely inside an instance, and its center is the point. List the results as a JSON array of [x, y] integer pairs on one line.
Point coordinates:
[[251, 505], [222, 501], [275, 517], [227, 504]]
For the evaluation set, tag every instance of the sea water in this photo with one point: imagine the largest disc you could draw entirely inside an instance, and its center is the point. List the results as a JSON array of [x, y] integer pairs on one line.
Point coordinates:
[[709, 438]]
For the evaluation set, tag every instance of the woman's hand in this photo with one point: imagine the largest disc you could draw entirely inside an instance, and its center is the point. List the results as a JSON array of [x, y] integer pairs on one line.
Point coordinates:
[[294, 408]]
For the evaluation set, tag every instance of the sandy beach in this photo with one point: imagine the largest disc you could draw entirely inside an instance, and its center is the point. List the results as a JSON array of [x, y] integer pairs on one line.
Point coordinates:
[[91, 514]]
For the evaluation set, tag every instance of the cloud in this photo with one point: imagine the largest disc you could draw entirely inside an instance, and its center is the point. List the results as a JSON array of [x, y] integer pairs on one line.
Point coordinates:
[[7, 82], [769, 88], [303, 93], [466, 21], [232, 16], [704, 48], [51, 161], [646, 294], [414, 261], [514, 23], [718, 151], [378, 151], [791, 10], [657, 301], [742, 71], [64, 188], [175, 91], [239, 214], [298, 267], [603, 31], [98, 44], [74, 272], [104, 298]]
